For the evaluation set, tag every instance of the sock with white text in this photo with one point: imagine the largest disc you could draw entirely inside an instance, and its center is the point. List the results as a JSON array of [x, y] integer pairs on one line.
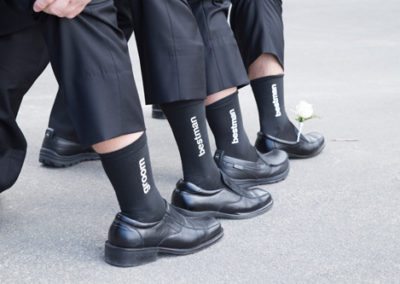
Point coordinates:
[[269, 94], [226, 123], [129, 170], [188, 122]]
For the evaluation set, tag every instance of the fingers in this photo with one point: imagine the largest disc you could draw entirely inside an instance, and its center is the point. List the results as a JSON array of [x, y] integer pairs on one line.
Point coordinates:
[[40, 5], [61, 8]]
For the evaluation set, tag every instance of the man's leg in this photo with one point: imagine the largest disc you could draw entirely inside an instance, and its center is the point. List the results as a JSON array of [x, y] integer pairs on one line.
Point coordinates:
[[90, 59], [61, 147], [179, 49], [225, 74], [108, 102], [258, 28], [23, 58], [173, 68]]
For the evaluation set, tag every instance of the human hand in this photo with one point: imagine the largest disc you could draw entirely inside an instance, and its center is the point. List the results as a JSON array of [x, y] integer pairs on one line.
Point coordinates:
[[61, 8]]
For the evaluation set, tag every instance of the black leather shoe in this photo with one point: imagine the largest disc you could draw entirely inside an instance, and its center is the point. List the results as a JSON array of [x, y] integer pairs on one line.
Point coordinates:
[[157, 112], [57, 152], [132, 243], [269, 168], [229, 202], [310, 145]]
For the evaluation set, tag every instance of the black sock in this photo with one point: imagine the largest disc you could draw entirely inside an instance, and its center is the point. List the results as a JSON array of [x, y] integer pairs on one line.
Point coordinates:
[[226, 123], [188, 122], [269, 95], [129, 171]]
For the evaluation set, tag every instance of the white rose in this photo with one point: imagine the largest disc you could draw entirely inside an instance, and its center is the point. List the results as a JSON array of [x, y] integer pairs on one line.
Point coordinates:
[[304, 111]]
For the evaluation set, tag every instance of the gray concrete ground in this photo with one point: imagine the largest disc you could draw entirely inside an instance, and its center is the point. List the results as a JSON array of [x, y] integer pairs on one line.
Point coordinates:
[[335, 219]]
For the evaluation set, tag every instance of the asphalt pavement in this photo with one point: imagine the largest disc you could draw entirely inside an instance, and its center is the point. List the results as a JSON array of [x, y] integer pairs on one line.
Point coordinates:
[[335, 219]]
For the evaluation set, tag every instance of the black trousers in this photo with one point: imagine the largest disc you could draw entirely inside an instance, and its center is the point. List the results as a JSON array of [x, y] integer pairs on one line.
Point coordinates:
[[196, 35], [223, 60], [91, 63], [258, 28], [186, 50], [8, 15]]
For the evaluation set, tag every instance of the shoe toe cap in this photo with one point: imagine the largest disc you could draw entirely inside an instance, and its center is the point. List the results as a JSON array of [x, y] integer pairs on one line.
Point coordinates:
[[208, 223], [257, 192], [315, 137], [316, 142], [214, 229], [209, 226], [261, 198]]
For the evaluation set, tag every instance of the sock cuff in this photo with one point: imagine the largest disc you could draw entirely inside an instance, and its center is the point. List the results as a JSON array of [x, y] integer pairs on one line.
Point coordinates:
[[132, 148], [223, 102], [180, 104], [266, 79]]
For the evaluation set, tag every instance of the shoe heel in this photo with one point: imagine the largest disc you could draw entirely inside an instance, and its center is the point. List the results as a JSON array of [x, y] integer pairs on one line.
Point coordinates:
[[125, 257]]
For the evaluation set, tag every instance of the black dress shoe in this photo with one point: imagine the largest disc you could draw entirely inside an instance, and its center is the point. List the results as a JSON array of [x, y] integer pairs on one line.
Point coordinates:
[[57, 152], [310, 145], [157, 112], [229, 202], [269, 168], [132, 243]]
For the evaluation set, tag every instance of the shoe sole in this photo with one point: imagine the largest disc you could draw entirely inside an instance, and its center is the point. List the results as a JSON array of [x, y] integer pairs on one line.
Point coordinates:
[[237, 216], [50, 158], [296, 156], [262, 181], [126, 257]]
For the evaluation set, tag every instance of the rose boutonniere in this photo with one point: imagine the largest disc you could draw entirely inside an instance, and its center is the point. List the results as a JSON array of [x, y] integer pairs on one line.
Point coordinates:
[[304, 112]]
